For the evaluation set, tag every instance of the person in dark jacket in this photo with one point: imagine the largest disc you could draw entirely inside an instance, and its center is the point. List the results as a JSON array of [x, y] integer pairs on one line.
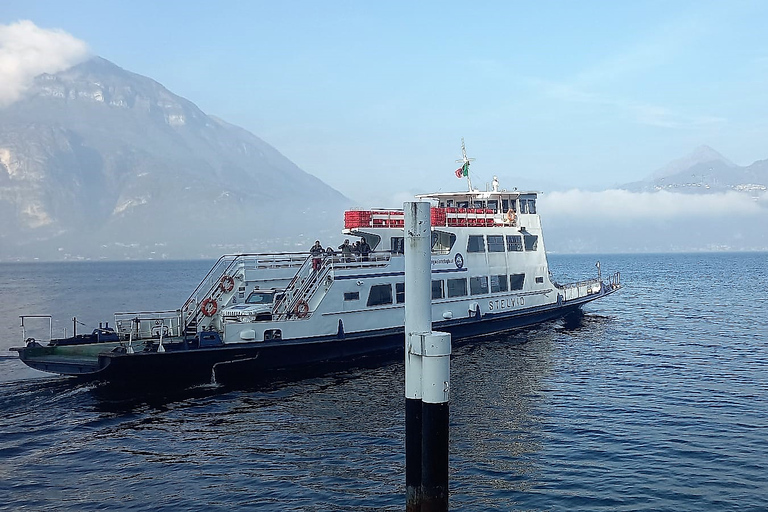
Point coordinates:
[[365, 249], [346, 251]]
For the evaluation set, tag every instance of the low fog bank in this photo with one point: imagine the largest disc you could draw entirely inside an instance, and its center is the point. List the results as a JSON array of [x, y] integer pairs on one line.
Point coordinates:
[[617, 221]]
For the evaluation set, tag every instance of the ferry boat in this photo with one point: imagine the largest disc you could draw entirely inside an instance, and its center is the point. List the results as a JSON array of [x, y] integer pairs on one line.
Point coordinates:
[[254, 313]]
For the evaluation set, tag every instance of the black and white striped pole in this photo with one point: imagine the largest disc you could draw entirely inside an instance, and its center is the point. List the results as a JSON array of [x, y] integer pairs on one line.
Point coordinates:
[[427, 373]]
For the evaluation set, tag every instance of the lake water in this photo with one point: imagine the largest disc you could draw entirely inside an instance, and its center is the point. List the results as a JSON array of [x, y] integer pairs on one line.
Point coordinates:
[[657, 400]]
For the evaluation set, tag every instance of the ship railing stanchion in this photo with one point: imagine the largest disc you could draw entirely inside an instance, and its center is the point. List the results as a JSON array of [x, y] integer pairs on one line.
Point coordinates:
[[427, 373]]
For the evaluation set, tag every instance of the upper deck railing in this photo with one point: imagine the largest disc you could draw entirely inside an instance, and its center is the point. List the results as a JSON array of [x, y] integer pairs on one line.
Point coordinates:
[[447, 216]]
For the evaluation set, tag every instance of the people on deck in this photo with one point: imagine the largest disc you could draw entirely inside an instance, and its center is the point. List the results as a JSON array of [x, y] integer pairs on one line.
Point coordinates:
[[365, 249], [317, 255], [346, 251]]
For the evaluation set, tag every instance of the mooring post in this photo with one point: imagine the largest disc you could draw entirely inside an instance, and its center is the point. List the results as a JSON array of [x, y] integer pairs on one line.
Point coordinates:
[[418, 321], [436, 383], [427, 370]]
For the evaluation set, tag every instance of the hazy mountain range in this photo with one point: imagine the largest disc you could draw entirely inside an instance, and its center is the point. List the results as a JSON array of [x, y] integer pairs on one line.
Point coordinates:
[[705, 171], [98, 162]]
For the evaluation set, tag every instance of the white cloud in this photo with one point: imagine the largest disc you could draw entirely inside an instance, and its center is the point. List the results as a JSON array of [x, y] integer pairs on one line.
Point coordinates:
[[618, 205], [27, 50]]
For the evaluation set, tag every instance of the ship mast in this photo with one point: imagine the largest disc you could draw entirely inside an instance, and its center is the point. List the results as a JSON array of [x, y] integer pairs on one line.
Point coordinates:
[[465, 163]]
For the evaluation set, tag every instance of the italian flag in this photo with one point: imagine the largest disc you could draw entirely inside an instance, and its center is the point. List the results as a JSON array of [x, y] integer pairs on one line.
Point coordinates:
[[463, 171]]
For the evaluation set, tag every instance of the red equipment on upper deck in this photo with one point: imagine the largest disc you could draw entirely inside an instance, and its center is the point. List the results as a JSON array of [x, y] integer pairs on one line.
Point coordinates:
[[452, 217]]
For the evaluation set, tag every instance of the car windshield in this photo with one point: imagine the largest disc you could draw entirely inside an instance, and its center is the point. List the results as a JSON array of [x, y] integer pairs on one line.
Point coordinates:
[[260, 298]]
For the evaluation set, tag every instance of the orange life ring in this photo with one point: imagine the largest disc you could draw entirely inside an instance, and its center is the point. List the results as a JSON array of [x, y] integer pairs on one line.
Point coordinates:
[[510, 216], [301, 309], [227, 283], [209, 307]]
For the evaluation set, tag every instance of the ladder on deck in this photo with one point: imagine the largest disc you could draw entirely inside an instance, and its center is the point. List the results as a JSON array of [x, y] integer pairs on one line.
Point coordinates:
[[297, 300]]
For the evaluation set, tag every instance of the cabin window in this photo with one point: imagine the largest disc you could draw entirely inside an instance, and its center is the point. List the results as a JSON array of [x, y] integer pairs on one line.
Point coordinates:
[[478, 204], [493, 205], [449, 203], [539, 279], [400, 292], [437, 289], [495, 243], [476, 243], [397, 245], [531, 242], [504, 205], [514, 243], [442, 242], [523, 206], [516, 281], [380, 294], [498, 283], [478, 285], [351, 295], [531, 206], [457, 287], [373, 240]]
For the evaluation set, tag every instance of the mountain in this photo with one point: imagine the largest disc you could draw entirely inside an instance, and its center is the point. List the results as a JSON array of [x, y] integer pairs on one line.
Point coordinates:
[[705, 171], [99, 162]]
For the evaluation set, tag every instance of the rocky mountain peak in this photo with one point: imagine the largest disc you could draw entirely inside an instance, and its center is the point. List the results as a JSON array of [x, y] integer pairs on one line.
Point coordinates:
[[96, 150], [701, 155]]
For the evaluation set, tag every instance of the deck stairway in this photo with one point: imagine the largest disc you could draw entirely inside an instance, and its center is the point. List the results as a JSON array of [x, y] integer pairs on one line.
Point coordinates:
[[301, 297], [224, 280]]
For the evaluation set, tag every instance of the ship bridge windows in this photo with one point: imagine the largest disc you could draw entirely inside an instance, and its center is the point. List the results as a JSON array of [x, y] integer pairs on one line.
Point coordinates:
[[476, 243], [508, 203], [514, 243], [528, 204], [457, 287], [380, 294], [531, 242], [495, 243], [442, 242], [478, 285]]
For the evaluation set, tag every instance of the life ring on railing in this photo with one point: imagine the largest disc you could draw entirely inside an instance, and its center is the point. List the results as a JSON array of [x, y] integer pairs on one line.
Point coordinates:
[[227, 283], [301, 309], [209, 307], [510, 216]]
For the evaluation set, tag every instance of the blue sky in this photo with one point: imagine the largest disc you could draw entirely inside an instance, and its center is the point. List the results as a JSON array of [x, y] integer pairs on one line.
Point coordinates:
[[374, 97]]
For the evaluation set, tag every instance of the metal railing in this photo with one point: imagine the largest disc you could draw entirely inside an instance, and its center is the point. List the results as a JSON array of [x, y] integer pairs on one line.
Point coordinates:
[[589, 286], [149, 324]]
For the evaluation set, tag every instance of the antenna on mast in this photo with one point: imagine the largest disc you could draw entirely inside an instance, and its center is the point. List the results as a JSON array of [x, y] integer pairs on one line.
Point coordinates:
[[465, 163]]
